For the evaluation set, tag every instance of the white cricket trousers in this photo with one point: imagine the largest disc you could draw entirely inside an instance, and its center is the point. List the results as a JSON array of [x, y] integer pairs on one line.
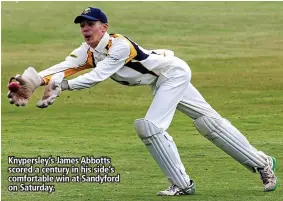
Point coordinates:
[[172, 91]]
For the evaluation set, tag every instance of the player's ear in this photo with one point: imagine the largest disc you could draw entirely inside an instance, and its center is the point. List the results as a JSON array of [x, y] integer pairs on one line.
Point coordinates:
[[105, 26]]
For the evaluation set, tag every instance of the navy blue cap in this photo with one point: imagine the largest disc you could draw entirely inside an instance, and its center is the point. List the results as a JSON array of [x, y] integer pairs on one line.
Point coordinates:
[[90, 13]]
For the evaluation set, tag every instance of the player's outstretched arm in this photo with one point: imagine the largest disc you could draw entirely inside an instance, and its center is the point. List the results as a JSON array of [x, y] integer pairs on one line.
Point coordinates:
[[30, 80], [77, 61]]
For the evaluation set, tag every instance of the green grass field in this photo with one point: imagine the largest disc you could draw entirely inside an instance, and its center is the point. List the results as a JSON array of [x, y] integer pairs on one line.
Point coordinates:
[[235, 50]]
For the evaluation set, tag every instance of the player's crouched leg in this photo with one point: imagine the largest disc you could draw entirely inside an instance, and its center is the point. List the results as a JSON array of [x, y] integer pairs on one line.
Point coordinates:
[[163, 149], [225, 136]]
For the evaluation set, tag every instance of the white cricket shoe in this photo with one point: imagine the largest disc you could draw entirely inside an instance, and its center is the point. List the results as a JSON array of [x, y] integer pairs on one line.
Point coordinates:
[[268, 177], [175, 190]]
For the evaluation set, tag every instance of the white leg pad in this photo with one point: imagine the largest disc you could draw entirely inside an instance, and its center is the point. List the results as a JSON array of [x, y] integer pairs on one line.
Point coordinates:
[[225, 136], [164, 151]]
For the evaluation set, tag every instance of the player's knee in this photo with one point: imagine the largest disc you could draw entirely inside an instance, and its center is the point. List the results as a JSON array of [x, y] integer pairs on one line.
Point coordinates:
[[206, 124], [146, 128]]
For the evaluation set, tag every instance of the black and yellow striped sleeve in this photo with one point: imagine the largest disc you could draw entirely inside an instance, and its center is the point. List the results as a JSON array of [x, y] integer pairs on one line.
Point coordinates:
[[68, 66]]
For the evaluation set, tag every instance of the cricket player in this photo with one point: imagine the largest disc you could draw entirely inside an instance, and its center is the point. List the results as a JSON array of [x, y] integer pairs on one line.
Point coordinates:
[[117, 57]]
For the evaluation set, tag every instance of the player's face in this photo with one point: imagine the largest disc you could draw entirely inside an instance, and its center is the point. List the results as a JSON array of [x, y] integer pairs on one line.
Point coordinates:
[[93, 31]]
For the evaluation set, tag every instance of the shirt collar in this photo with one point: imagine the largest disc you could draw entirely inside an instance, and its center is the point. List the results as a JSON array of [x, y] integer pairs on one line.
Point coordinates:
[[102, 44]]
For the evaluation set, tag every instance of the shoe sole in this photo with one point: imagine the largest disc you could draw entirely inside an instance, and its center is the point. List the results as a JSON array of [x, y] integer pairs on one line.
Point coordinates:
[[162, 193]]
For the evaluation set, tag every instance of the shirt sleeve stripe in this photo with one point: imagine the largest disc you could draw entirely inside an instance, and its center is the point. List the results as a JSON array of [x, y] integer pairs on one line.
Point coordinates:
[[72, 70]]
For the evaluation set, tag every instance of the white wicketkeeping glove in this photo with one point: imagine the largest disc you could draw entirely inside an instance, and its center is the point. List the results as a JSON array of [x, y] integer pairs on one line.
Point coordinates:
[[52, 90], [29, 81]]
